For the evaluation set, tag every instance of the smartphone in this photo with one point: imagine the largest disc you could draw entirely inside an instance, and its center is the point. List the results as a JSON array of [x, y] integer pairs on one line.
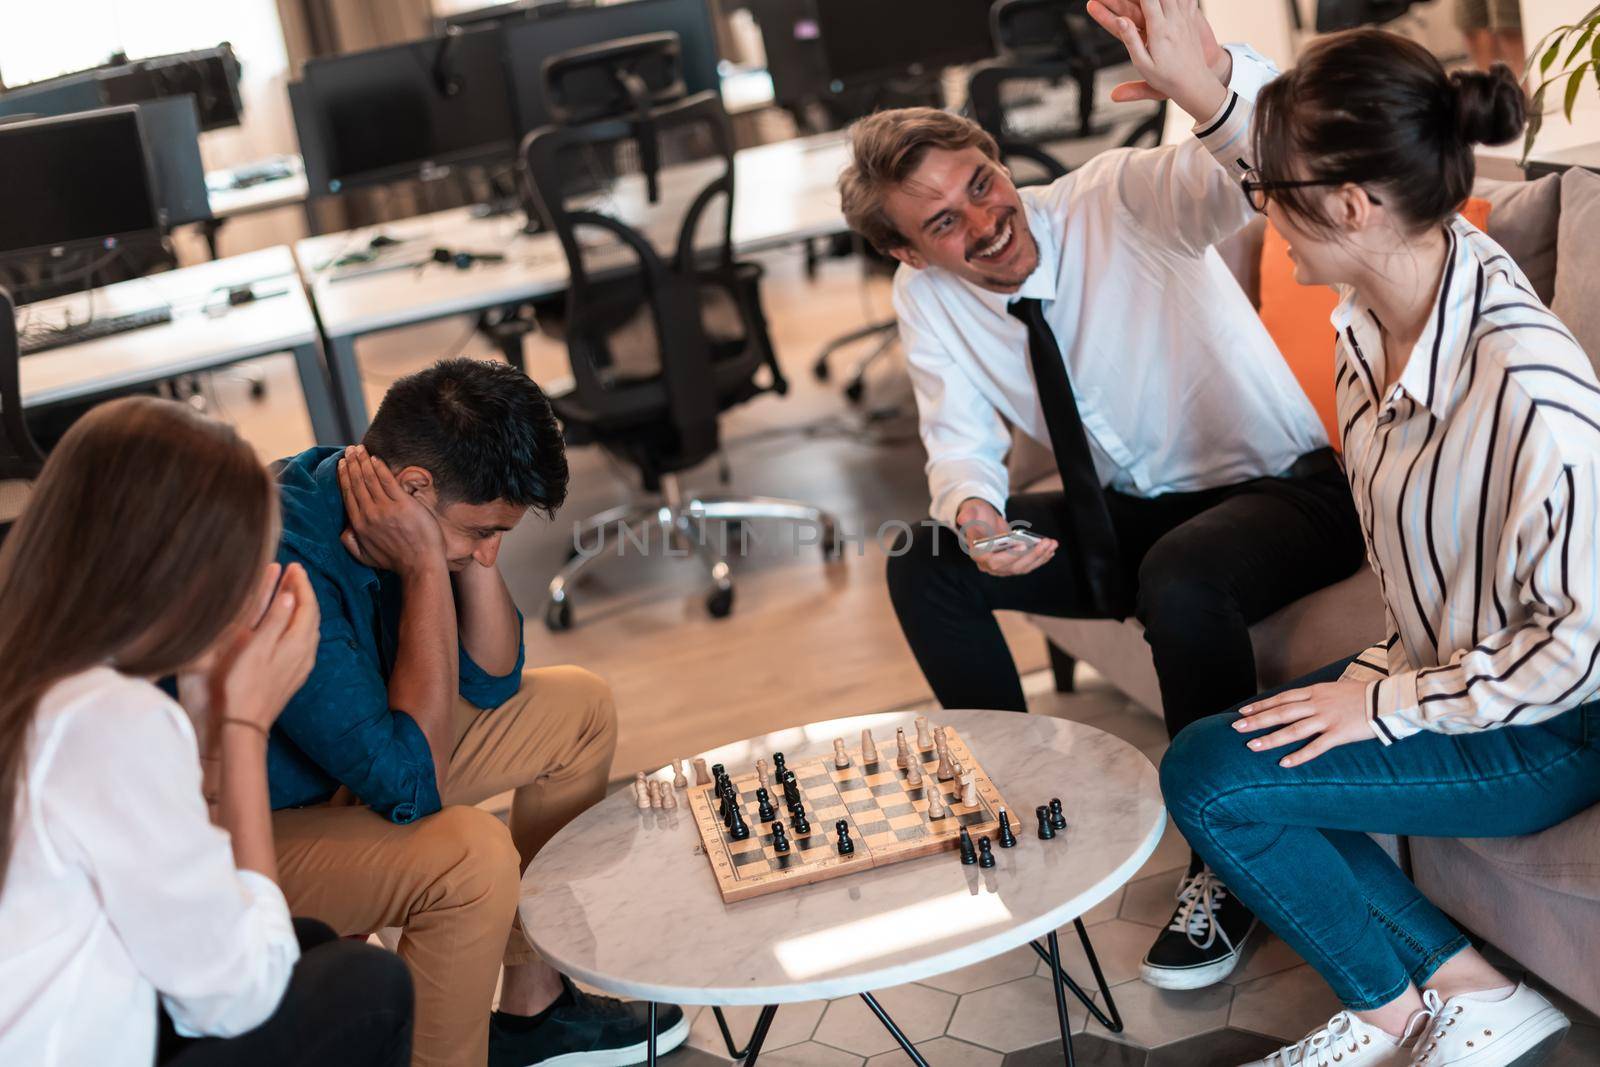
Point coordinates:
[[1010, 539]]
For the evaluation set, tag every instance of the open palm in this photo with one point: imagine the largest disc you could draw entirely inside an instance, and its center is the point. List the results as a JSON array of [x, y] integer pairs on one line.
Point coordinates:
[[1106, 13]]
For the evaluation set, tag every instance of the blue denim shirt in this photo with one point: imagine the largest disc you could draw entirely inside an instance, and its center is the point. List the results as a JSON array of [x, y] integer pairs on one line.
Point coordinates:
[[340, 728]]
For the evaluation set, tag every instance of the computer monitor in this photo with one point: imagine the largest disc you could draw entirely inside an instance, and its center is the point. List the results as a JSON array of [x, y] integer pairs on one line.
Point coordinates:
[[872, 40], [210, 75], [74, 182], [172, 139], [529, 44], [406, 111], [793, 42], [499, 14], [59, 96]]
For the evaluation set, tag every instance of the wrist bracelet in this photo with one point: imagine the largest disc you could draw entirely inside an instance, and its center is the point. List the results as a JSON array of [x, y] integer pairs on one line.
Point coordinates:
[[257, 727]]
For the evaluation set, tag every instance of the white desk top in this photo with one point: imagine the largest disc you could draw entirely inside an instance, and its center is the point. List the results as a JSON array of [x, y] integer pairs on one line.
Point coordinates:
[[785, 192], [747, 90], [625, 900], [192, 341], [226, 202]]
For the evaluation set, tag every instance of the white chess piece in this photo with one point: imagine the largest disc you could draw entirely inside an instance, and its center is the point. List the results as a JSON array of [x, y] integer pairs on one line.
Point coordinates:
[[914, 772], [869, 748], [669, 798], [936, 807], [655, 792], [969, 789], [679, 781], [641, 791], [763, 775], [902, 749], [841, 758], [924, 739]]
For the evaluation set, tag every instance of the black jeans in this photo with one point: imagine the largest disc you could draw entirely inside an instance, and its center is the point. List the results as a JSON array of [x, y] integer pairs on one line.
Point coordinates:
[[1202, 566], [347, 1005]]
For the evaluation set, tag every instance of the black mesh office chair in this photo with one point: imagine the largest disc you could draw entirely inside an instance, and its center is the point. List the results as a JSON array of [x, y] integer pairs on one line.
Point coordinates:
[[660, 343], [20, 458], [1047, 41]]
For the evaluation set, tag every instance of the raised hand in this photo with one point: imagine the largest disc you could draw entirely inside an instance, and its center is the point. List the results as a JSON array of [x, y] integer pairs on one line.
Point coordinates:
[[264, 664], [389, 528], [1170, 43]]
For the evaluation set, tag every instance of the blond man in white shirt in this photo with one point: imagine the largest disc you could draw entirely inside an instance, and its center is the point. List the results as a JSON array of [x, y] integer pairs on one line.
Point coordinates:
[[1201, 494]]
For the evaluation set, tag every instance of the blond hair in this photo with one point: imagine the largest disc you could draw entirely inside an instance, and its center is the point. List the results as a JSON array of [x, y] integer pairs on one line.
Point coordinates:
[[885, 148]]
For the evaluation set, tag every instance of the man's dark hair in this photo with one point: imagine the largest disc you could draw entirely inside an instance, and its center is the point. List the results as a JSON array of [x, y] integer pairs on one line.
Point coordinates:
[[484, 430]]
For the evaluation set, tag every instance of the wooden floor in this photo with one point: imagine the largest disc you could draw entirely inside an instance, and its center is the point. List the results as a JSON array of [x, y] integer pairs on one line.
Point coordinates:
[[805, 640]]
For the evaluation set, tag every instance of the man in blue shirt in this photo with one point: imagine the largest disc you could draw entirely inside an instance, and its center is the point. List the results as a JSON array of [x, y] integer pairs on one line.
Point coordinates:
[[419, 707]]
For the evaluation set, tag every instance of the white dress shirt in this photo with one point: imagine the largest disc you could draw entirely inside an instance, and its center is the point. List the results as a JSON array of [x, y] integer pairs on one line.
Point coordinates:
[[119, 887], [1179, 386]]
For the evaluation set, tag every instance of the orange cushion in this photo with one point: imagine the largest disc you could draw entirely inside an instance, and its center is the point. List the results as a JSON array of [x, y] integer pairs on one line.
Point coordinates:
[[1297, 318]]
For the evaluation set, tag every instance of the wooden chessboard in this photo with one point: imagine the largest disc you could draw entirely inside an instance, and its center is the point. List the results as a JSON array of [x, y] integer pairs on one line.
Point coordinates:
[[888, 820]]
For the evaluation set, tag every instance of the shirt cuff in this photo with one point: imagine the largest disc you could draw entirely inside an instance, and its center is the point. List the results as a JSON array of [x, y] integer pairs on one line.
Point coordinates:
[[950, 501], [1225, 131], [1391, 706], [487, 691], [424, 798]]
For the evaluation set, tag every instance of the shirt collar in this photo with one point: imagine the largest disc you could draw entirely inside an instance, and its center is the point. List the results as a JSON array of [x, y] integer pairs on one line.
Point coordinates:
[[314, 515]]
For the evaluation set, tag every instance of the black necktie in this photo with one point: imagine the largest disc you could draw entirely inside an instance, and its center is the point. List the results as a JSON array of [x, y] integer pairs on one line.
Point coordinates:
[[1091, 541]]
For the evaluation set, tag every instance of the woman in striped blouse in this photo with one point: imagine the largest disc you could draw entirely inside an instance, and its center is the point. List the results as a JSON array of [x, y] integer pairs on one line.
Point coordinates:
[[1471, 438]]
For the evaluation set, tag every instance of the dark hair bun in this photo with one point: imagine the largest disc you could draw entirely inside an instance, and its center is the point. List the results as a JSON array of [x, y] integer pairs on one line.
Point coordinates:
[[1492, 107]]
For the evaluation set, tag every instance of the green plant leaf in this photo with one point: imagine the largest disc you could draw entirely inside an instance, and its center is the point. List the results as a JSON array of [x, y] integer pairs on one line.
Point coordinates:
[[1550, 54], [1574, 83], [1583, 39], [1535, 121]]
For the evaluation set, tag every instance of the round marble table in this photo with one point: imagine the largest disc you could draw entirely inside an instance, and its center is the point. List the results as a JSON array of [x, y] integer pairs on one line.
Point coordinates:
[[625, 899]]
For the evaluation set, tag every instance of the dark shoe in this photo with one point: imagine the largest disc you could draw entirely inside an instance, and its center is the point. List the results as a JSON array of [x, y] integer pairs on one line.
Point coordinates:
[[1201, 946], [581, 1030]]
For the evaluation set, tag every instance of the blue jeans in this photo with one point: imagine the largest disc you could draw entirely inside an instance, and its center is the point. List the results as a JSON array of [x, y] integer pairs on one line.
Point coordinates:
[[1292, 843]]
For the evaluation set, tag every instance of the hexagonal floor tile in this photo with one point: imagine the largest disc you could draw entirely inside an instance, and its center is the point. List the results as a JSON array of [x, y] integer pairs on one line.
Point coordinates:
[[920, 1013], [1018, 963], [1087, 1051], [1220, 1048], [1153, 1017], [1287, 1005], [810, 1054], [1013, 1016], [687, 1056], [1264, 953], [1150, 900], [1119, 945], [1105, 910], [793, 1023], [941, 1052]]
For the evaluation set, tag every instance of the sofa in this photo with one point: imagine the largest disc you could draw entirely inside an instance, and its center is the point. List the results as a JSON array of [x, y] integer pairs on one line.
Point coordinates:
[[1536, 898]]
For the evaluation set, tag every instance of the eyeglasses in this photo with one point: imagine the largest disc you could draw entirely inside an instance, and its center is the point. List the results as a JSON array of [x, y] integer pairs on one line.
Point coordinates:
[[1256, 189]]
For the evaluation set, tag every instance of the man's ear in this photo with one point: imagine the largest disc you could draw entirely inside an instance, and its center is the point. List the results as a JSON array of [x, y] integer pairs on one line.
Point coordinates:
[[909, 256], [418, 481]]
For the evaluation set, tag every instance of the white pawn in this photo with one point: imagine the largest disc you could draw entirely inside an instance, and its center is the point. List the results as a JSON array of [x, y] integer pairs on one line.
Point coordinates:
[[841, 758], [655, 793], [914, 772], [936, 808], [669, 799], [641, 791]]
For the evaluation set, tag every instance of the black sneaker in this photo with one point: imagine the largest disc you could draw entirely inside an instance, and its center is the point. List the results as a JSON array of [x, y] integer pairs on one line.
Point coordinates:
[[1201, 945], [581, 1030]]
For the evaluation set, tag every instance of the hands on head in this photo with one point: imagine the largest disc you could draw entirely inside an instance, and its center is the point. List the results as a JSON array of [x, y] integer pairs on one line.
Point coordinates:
[[265, 658], [977, 519], [390, 529], [1172, 46]]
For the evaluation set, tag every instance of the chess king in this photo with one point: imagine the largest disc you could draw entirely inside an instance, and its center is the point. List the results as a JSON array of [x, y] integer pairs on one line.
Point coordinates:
[[1094, 315]]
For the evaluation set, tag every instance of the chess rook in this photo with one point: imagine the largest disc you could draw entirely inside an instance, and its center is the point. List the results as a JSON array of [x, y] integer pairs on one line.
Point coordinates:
[[924, 738], [701, 775], [1058, 818], [718, 772], [1006, 838], [902, 749], [841, 758], [1046, 831], [869, 747], [985, 853]]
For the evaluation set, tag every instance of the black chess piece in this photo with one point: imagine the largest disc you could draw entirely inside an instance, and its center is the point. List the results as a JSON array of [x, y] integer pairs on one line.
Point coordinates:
[[985, 853], [1046, 831], [764, 810], [846, 846], [968, 855], [791, 789], [738, 829], [718, 773], [1058, 819], [779, 768], [801, 827], [797, 810], [1007, 838], [780, 839]]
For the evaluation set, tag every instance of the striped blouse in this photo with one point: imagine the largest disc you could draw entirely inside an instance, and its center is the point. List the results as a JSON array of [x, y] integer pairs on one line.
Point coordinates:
[[1477, 476]]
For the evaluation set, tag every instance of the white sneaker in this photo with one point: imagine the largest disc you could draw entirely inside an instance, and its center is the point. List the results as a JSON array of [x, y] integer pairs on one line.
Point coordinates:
[[1519, 1031], [1347, 1042]]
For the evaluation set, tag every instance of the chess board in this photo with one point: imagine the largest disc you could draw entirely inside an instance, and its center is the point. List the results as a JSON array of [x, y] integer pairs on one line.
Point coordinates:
[[888, 820]]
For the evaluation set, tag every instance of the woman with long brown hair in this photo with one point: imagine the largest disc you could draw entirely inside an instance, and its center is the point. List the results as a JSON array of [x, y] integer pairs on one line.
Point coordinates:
[[144, 553]]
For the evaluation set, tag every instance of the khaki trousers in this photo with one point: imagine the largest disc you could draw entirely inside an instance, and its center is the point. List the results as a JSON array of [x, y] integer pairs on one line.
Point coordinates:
[[450, 880]]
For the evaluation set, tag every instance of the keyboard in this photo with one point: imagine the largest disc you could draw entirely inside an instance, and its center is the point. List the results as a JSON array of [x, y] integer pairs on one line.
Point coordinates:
[[43, 340], [256, 173]]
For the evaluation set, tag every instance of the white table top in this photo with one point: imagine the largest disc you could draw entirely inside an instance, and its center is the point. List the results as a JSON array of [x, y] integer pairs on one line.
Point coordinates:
[[228, 202], [194, 340], [784, 192], [625, 899]]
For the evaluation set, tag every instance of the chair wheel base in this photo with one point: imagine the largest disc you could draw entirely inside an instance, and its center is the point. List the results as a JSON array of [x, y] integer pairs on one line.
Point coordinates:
[[558, 616], [720, 603]]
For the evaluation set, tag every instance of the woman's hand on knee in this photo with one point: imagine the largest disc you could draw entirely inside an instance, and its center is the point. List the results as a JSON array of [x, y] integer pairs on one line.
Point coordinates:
[[1326, 715]]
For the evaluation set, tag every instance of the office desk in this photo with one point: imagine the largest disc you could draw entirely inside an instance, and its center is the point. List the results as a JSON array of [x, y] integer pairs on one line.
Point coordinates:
[[785, 193], [200, 337], [228, 202]]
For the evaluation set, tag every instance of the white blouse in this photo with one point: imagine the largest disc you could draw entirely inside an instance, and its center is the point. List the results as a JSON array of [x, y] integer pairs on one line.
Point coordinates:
[[119, 888]]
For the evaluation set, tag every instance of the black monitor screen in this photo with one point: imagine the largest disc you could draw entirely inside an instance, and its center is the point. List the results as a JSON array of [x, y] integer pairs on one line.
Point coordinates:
[[528, 44], [74, 180], [390, 113], [868, 39]]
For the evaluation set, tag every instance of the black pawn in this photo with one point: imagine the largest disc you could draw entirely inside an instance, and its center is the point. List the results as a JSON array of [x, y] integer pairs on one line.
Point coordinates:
[[778, 766], [1058, 820], [738, 829], [780, 840], [968, 855], [764, 810], [1007, 838], [1046, 831], [846, 846], [801, 827], [985, 853], [797, 810]]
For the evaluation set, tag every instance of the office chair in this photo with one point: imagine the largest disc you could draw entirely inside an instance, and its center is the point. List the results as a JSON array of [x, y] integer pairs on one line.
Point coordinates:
[[661, 343], [1047, 40], [20, 458]]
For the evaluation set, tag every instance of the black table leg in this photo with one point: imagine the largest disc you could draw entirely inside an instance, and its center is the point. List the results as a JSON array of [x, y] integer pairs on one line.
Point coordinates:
[[1061, 998], [1113, 1021], [894, 1031], [763, 1023], [650, 1041]]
